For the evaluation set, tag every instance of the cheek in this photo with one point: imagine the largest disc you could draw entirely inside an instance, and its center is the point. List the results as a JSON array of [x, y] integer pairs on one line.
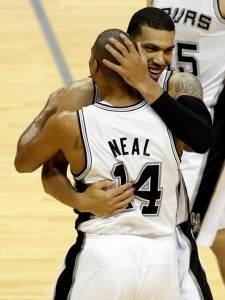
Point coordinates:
[[148, 55], [168, 58]]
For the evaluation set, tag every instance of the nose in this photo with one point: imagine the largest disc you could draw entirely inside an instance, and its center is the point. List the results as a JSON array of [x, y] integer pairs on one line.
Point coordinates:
[[159, 58]]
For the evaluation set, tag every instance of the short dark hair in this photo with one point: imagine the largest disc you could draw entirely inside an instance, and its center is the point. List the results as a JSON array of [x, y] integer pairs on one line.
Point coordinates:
[[101, 53], [152, 17]]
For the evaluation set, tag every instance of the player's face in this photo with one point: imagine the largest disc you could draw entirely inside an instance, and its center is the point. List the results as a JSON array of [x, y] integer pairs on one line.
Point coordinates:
[[158, 46]]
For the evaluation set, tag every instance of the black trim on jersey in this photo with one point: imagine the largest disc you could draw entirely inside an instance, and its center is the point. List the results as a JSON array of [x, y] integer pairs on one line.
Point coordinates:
[[195, 265], [182, 202], [166, 80], [173, 146], [213, 167], [83, 134], [123, 109], [95, 96], [218, 11]]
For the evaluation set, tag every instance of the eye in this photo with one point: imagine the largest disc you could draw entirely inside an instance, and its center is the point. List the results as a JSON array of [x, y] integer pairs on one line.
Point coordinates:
[[169, 51], [149, 48]]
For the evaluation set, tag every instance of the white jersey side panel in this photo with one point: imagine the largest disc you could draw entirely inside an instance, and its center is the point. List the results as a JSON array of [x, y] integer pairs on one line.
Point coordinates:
[[200, 39], [122, 144]]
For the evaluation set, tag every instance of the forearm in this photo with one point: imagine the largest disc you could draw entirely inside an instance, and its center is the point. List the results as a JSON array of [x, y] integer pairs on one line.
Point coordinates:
[[188, 118], [57, 185], [95, 199]]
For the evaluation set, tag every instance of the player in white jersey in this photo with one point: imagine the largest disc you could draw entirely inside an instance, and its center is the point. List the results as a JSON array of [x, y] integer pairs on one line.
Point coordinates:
[[108, 141], [200, 35], [158, 59]]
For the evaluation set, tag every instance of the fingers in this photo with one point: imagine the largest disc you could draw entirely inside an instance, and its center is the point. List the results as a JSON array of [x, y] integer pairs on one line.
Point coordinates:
[[117, 194], [123, 51], [119, 56], [111, 202], [128, 43], [111, 66], [122, 205], [121, 189], [130, 48], [105, 184], [140, 50]]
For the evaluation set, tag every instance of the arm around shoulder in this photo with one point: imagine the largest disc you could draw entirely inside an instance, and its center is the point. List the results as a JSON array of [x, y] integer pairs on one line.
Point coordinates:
[[77, 95]]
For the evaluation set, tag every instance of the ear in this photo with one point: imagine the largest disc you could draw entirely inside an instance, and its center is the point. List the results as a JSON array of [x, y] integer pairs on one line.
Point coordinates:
[[95, 66]]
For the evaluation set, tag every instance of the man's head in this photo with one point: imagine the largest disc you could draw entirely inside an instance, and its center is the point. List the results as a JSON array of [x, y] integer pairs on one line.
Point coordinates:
[[152, 17], [99, 52], [155, 30]]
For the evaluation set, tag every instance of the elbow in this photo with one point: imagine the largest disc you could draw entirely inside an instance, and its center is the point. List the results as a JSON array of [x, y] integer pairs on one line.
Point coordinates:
[[18, 166], [22, 166]]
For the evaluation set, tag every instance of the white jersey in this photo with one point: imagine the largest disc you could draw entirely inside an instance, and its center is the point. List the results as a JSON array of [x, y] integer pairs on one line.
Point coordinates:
[[200, 39], [171, 194], [199, 43], [131, 144]]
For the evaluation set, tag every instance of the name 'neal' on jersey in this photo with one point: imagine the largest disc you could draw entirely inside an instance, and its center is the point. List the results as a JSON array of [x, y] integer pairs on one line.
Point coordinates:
[[136, 147]]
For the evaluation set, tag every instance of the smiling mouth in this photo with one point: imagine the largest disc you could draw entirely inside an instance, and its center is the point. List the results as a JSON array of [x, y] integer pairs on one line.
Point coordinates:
[[154, 74]]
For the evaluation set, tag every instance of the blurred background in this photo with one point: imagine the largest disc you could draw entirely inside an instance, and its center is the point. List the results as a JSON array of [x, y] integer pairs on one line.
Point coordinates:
[[44, 45]]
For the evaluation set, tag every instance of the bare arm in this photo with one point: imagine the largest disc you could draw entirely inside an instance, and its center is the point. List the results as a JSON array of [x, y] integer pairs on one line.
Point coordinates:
[[78, 94], [37, 125], [71, 98], [94, 199], [54, 173], [36, 150]]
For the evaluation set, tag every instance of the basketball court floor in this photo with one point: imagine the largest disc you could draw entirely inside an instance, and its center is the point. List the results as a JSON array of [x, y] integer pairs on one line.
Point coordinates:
[[44, 45]]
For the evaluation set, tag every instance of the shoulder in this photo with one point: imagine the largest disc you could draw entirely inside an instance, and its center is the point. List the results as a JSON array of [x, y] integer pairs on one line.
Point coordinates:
[[184, 83], [83, 85], [77, 95], [62, 124], [64, 119]]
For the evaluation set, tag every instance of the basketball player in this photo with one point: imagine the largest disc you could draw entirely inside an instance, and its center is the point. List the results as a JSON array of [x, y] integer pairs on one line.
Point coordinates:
[[200, 35], [137, 244], [159, 55]]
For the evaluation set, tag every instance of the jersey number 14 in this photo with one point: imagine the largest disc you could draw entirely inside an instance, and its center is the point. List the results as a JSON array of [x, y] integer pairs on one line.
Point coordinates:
[[147, 186]]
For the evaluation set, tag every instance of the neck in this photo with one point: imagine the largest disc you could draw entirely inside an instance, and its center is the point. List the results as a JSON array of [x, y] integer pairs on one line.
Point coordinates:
[[119, 94]]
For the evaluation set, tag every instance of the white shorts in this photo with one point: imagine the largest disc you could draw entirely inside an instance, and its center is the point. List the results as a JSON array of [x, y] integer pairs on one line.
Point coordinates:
[[119, 266], [126, 267]]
